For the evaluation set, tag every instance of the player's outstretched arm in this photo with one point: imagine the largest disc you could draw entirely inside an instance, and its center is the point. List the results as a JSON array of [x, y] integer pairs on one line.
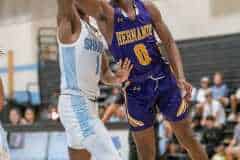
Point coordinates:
[[172, 50]]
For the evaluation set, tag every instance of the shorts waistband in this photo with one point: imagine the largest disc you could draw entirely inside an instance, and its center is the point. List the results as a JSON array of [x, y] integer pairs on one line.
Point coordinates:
[[79, 93]]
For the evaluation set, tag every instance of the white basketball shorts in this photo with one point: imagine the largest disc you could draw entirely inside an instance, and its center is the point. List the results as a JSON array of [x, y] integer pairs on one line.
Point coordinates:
[[4, 151], [84, 130]]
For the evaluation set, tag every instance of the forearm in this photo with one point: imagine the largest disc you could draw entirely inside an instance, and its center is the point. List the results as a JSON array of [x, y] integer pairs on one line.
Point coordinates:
[[65, 9], [175, 59], [109, 78], [109, 112]]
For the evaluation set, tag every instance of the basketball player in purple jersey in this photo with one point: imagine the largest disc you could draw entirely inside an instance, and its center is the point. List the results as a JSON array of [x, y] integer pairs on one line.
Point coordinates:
[[129, 27]]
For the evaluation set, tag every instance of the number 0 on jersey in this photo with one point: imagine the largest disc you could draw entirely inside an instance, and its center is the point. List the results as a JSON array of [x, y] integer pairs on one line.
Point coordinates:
[[142, 54]]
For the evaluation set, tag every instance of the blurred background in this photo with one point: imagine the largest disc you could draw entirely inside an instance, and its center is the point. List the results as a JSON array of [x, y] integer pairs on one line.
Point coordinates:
[[208, 35]]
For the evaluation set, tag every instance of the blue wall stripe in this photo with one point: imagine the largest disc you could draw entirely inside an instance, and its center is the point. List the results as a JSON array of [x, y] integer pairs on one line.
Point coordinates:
[[23, 97], [21, 68]]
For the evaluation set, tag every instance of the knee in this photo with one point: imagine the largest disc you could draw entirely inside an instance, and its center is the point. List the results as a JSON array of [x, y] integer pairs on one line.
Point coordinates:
[[188, 141], [233, 98]]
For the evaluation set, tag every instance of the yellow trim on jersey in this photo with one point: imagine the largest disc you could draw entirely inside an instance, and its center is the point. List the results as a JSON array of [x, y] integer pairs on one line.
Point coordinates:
[[183, 108], [133, 122]]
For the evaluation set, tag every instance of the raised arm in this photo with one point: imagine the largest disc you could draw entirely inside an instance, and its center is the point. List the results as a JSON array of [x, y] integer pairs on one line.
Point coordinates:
[[68, 24], [171, 48]]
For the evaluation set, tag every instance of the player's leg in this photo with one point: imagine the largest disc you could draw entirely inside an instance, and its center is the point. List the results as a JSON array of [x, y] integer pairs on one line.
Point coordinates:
[[175, 109], [75, 154], [232, 152], [145, 142], [186, 138], [140, 118], [100, 145], [69, 110]]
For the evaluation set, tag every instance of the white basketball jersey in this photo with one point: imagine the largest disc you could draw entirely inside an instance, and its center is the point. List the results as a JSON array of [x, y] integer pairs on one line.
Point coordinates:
[[80, 63]]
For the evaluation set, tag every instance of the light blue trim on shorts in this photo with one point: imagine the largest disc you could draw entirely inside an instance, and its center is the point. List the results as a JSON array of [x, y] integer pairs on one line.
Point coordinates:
[[80, 108]]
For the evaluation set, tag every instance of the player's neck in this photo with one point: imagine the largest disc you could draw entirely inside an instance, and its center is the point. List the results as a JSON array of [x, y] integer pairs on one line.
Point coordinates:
[[126, 5]]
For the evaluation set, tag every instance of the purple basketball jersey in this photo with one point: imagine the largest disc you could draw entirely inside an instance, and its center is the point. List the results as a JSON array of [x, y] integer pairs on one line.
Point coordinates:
[[134, 39]]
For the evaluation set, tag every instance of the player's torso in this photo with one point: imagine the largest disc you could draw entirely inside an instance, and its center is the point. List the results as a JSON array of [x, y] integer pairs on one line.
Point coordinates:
[[80, 63], [135, 39]]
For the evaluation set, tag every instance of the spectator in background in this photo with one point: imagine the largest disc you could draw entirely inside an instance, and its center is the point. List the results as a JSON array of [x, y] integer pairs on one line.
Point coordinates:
[[197, 126], [204, 83], [213, 108], [15, 117], [211, 136], [233, 150], [220, 90], [16, 140], [200, 95], [29, 116], [53, 113], [235, 101], [54, 99]]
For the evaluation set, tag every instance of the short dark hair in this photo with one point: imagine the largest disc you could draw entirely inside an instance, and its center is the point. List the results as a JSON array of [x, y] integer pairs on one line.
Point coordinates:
[[114, 2], [210, 118]]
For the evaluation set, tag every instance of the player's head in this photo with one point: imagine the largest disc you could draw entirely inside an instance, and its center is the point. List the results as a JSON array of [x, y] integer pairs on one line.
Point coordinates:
[[218, 79], [210, 120]]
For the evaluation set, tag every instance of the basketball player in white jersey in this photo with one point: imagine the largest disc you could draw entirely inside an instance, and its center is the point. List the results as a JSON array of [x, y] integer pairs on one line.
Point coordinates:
[[80, 52], [4, 152]]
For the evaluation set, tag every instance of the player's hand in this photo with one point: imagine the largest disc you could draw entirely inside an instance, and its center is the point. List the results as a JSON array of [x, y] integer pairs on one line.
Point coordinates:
[[110, 110], [186, 89], [123, 71]]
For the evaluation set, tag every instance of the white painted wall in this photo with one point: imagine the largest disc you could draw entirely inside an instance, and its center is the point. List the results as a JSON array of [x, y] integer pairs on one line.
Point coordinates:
[[200, 18], [21, 38], [185, 18]]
